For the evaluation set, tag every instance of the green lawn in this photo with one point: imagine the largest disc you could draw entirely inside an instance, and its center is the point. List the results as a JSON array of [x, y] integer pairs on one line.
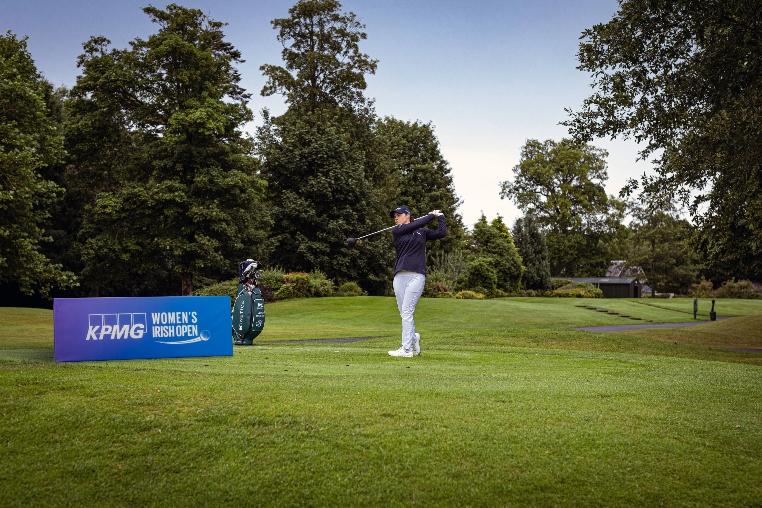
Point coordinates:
[[507, 406]]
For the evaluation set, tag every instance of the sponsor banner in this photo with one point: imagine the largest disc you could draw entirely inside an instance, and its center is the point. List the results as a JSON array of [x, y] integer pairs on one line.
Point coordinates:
[[86, 329]]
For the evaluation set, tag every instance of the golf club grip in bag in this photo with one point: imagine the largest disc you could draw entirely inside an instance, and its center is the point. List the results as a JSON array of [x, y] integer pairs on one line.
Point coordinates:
[[248, 315]]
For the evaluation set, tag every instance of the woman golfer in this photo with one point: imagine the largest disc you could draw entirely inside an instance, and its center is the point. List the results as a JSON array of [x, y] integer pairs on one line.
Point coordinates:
[[410, 270]]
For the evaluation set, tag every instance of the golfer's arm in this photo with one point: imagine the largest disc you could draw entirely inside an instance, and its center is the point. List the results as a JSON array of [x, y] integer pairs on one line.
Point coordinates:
[[440, 232], [404, 229]]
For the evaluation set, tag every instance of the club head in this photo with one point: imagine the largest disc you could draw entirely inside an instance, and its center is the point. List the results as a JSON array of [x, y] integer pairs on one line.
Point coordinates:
[[353, 241]]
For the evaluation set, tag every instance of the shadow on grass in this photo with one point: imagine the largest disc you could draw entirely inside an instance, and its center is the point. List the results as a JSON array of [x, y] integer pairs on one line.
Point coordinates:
[[30, 355]]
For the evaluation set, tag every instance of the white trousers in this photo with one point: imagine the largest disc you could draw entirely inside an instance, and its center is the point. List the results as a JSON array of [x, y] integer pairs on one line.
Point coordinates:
[[408, 288]]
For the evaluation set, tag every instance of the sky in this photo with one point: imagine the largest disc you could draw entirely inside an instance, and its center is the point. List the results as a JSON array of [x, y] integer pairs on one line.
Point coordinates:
[[487, 74]]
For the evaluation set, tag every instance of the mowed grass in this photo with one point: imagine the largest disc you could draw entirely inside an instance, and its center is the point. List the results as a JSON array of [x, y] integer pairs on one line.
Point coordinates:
[[507, 406]]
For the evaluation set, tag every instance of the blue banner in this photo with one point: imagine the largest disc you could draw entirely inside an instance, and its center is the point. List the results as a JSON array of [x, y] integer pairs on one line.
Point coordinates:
[[86, 329]]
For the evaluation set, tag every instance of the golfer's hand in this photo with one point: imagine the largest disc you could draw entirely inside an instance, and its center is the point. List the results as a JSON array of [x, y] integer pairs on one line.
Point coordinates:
[[436, 213]]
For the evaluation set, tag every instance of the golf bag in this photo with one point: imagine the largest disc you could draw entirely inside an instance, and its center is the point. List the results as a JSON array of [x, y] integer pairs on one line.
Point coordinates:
[[249, 307]]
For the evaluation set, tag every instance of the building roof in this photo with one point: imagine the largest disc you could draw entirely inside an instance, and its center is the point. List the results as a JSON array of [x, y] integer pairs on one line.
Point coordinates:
[[619, 268]]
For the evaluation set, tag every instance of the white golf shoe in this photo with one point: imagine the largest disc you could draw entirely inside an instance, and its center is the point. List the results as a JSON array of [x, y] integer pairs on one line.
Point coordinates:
[[417, 344], [401, 352]]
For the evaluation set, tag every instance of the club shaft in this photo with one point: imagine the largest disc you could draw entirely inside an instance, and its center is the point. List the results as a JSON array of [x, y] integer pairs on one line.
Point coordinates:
[[385, 229]]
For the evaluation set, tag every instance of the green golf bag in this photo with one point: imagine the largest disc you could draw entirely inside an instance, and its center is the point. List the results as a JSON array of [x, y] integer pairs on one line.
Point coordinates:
[[249, 307]]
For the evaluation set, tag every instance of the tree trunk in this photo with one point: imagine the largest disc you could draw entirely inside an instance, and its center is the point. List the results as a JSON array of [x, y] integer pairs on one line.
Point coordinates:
[[186, 280]]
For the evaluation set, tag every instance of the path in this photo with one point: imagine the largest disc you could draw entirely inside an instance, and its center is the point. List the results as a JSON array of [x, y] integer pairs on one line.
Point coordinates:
[[624, 328]]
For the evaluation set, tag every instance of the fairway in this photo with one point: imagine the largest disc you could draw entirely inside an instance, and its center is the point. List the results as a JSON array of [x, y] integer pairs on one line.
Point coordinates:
[[507, 406]]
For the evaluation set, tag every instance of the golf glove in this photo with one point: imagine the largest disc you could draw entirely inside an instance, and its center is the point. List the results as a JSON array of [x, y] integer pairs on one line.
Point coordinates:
[[438, 213]]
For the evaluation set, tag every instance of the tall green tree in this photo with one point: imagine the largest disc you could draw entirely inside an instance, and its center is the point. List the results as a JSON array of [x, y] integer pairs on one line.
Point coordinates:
[[561, 184], [533, 249], [492, 244], [422, 177], [156, 135], [660, 246], [30, 142], [684, 77], [321, 54], [321, 159]]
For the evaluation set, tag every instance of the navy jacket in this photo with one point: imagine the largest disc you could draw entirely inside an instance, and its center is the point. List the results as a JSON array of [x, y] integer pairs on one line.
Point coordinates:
[[410, 242]]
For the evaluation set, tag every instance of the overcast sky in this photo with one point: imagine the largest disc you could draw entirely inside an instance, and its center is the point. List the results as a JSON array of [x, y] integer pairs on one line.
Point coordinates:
[[487, 74]]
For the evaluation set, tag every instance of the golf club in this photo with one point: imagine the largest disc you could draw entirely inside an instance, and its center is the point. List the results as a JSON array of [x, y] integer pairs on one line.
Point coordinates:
[[354, 241]]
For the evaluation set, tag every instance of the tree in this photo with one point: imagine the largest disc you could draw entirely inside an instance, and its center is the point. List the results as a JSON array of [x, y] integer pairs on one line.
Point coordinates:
[[322, 60], [321, 159], [155, 130], [530, 242], [423, 178], [30, 141], [659, 245], [685, 78], [492, 244], [561, 185]]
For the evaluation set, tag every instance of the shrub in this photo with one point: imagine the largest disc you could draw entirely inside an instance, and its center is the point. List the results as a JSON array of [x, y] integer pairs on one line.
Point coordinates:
[[740, 289], [481, 274], [224, 288], [300, 282], [350, 289], [577, 290], [703, 289], [435, 290], [285, 292], [469, 295], [447, 268], [320, 285], [273, 277], [559, 283]]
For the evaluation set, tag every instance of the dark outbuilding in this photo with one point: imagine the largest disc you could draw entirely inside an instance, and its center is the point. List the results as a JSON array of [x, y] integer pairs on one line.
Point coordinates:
[[613, 287]]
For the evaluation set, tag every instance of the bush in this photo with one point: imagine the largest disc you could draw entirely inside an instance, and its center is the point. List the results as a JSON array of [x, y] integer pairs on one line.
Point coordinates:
[[350, 289], [481, 274], [435, 290], [447, 268], [320, 285], [703, 289], [224, 288], [741, 289], [273, 277], [577, 290], [285, 292], [300, 284], [559, 283], [469, 295]]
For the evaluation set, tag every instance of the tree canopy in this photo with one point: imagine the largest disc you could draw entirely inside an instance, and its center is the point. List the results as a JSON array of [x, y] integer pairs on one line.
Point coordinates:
[[155, 133], [659, 245], [321, 158], [533, 249], [494, 251], [684, 77], [30, 141], [561, 185], [323, 64]]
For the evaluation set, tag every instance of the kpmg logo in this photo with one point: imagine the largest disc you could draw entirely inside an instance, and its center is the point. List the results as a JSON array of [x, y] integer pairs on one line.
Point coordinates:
[[117, 326]]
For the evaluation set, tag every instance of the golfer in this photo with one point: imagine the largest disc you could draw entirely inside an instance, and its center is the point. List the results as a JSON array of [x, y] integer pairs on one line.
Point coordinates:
[[410, 270]]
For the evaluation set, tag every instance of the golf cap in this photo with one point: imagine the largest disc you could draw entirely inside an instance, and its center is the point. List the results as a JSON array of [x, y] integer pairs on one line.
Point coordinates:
[[399, 209]]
